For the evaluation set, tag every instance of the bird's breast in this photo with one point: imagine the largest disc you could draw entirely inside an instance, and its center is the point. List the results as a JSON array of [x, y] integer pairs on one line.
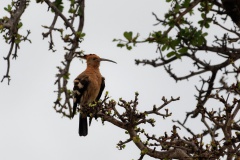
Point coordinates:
[[93, 89]]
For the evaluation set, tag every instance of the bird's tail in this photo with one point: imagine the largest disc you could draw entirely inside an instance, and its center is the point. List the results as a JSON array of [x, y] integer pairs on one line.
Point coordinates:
[[83, 126]]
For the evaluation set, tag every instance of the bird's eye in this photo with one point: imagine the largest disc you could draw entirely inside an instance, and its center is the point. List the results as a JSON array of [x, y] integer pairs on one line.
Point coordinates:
[[94, 59]]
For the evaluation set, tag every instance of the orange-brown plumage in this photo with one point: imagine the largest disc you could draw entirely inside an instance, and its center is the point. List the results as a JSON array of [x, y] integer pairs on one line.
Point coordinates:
[[88, 87]]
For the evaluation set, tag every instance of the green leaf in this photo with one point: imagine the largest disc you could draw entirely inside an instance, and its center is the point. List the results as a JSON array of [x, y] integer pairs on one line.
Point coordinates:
[[17, 41], [178, 56], [128, 47], [186, 3], [106, 93], [183, 50], [201, 41], [205, 34], [206, 25], [170, 54], [120, 45], [128, 35], [174, 43], [191, 12], [71, 10], [164, 47], [20, 24], [8, 8], [66, 76], [59, 5], [80, 34]]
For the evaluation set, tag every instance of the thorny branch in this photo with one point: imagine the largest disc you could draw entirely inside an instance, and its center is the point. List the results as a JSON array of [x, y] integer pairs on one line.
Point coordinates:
[[76, 11], [9, 27], [171, 145], [182, 39], [72, 35], [131, 119], [190, 42]]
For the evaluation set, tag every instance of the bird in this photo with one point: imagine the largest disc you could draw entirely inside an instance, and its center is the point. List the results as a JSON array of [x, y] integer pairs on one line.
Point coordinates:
[[88, 87]]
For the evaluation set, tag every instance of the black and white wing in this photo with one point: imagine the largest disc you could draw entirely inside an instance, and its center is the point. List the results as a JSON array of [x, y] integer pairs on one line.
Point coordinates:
[[80, 86]]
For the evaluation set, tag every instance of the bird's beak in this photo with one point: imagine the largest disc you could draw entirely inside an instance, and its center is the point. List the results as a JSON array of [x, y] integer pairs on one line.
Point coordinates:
[[103, 59]]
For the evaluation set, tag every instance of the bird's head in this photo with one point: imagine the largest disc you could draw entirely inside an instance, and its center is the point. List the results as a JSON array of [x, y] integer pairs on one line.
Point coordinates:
[[94, 60]]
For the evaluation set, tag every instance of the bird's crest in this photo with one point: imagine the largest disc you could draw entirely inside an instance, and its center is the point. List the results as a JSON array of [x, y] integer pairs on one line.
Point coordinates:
[[89, 56], [94, 59]]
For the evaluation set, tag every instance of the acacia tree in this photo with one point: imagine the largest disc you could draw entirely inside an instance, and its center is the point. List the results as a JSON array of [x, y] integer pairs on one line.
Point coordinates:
[[181, 38]]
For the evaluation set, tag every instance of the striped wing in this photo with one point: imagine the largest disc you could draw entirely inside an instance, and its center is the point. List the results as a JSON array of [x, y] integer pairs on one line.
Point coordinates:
[[80, 86]]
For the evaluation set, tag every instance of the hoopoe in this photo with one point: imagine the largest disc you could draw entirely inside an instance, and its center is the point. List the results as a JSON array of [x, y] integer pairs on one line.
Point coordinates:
[[88, 87]]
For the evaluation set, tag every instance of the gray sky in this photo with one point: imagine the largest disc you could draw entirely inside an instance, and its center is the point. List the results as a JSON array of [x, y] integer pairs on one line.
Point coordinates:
[[29, 126]]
